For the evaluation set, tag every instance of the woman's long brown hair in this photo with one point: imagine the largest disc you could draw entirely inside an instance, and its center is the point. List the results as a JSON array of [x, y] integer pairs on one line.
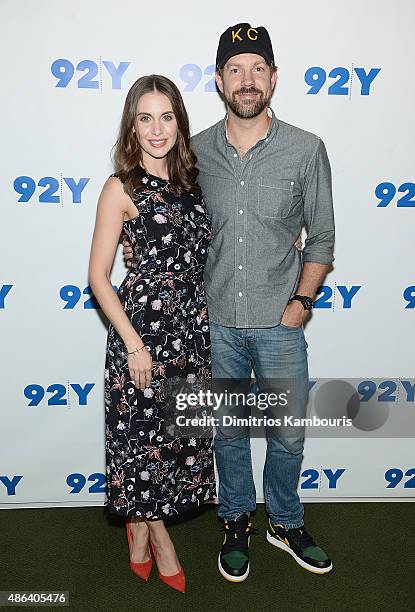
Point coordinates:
[[181, 161]]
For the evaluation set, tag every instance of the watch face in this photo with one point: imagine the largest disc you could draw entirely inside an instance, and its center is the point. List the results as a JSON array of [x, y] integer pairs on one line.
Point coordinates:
[[305, 300]]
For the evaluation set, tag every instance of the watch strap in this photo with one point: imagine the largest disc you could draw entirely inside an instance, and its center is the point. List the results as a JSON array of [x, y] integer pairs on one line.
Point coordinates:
[[305, 300]]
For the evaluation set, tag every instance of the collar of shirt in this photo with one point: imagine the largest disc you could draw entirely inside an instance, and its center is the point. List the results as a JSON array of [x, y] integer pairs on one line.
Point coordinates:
[[271, 128]]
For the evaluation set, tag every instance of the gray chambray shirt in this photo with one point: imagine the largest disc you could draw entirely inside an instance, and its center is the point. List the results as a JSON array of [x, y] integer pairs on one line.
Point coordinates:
[[257, 207]]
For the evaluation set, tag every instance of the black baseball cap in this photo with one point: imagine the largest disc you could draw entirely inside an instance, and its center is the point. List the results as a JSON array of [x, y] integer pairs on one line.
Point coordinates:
[[243, 38]]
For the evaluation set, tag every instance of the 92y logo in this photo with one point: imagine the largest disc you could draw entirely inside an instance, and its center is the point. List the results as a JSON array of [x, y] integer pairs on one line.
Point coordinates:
[[59, 394], [341, 80], [313, 476], [4, 290], [386, 191], [409, 296], [78, 481], [71, 294], [53, 192], [340, 296], [192, 75], [10, 483], [90, 74]]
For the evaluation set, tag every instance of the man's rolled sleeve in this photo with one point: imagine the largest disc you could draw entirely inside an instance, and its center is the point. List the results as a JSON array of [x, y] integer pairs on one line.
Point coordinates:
[[318, 209]]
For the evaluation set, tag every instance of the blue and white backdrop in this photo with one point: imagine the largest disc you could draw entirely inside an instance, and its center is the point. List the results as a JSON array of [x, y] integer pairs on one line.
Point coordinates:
[[344, 74]]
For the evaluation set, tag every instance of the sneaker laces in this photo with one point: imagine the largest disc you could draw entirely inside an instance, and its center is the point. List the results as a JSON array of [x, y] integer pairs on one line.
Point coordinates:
[[302, 537], [236, 532]]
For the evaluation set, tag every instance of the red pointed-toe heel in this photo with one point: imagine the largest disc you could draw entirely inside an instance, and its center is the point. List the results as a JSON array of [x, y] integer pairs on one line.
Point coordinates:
[[142, 570], [177, 581]]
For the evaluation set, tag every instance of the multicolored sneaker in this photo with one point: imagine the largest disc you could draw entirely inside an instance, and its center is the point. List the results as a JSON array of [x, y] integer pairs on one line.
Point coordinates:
[[233, 561], [301, 546]]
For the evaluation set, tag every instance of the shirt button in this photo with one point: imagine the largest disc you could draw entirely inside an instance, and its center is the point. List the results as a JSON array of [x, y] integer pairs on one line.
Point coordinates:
[[241, 211], [235, 155], [242, 183], [240, 239], [240, 294], [292, 182], [240, 267]]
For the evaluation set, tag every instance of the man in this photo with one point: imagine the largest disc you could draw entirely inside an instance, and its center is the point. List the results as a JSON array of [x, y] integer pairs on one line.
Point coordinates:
[[262, 180]]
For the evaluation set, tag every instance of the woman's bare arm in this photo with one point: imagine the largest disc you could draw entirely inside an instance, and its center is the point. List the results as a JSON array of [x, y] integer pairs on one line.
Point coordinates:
[[112, 205]]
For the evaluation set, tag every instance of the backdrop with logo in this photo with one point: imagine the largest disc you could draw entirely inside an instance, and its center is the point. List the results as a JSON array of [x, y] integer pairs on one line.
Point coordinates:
[[344, 74]]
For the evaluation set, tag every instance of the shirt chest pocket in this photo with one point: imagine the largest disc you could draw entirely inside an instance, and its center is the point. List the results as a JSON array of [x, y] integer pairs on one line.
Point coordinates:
[[275, 197]]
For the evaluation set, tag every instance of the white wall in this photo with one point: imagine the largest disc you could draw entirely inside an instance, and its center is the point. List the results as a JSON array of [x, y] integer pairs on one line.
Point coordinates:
[[67, 132]]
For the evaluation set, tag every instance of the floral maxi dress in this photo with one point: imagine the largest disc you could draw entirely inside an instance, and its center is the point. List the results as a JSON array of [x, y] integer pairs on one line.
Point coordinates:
[[148, 474]]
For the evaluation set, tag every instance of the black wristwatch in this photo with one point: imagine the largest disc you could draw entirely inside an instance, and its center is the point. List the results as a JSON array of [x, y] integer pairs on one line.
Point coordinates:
[[306, 301]]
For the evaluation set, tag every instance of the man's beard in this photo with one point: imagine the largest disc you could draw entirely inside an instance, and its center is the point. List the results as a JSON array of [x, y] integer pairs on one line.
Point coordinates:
[[247, 109]]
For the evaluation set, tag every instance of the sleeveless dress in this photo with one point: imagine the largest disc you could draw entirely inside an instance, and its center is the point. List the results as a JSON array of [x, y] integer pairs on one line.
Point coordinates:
[[149, 474]]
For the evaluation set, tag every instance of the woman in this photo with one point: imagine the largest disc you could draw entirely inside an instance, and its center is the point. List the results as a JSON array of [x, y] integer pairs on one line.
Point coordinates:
[[159, 329]]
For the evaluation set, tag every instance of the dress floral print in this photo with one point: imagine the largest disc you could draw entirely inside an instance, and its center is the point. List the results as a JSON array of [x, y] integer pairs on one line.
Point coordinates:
[[148, 473]]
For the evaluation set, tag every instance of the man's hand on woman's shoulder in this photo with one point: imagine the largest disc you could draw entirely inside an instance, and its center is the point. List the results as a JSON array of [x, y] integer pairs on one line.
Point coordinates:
[[127, 252]]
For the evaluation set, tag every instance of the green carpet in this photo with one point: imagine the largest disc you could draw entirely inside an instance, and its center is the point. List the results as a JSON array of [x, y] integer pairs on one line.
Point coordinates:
[[84, 551]]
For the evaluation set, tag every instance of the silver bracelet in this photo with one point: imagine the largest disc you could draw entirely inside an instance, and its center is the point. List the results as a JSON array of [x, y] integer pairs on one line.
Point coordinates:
[[137, 350]]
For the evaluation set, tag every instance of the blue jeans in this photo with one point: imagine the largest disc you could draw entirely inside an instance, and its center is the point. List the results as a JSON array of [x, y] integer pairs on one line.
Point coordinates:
[[274, 353]]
